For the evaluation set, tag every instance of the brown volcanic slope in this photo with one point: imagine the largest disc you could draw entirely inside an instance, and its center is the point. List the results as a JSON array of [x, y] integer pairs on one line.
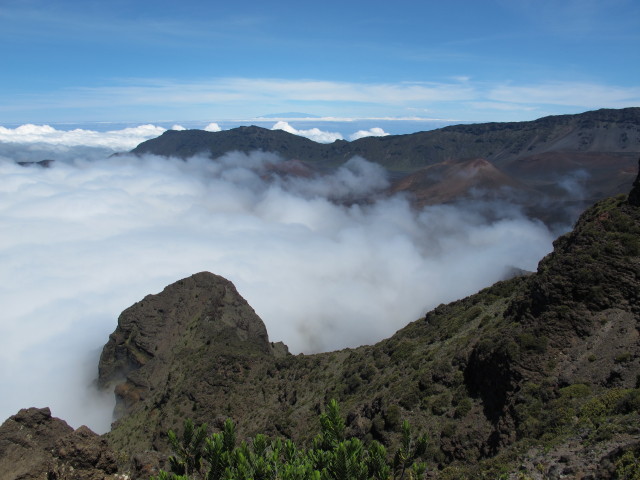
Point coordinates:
[[447, 181], [539, 372]]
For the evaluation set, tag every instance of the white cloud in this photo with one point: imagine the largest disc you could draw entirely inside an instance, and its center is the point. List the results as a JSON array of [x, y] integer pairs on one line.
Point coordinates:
[[83, 240], [372, 132], [123, 139], [178, 128], [212, 127], [246, 91], [314, 134], [501, 106]]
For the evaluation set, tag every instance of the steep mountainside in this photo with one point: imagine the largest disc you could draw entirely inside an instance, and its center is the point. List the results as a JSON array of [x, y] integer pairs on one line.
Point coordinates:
[[540, 372]]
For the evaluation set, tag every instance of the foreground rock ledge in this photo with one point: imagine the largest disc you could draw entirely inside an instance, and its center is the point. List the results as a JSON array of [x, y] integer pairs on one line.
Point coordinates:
[[35, 445]]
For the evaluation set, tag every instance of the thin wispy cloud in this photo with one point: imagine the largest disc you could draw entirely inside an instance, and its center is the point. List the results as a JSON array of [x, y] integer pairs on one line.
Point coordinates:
[[133, 61], [277, 90], [238, 97], [573, 94]]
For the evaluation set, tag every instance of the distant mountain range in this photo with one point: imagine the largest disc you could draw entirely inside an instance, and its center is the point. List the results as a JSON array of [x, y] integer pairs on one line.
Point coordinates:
[[554, 166]]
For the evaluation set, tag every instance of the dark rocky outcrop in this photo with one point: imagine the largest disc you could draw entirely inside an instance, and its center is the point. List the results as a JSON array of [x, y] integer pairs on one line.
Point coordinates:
[[35, 445], [159, 339], [26, 440]]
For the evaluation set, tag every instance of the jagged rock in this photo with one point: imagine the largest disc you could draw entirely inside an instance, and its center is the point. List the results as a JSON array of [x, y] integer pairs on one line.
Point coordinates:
[[26, 442], [200, 316], [84, 449], [179, 353], [35, 445]]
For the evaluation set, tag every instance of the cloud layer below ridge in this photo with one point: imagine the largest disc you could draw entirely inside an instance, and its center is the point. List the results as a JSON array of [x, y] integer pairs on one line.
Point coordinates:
[[91, 235]]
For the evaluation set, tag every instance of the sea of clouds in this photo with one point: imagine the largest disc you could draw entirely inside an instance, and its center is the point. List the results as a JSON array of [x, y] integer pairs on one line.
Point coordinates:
[[87, 237]]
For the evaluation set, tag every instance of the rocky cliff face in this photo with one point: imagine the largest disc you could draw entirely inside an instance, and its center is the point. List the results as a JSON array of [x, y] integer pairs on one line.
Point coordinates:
[[188, 328]]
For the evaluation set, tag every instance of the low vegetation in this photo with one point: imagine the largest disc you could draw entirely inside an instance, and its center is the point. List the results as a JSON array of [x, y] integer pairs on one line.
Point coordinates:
[[332, 456]]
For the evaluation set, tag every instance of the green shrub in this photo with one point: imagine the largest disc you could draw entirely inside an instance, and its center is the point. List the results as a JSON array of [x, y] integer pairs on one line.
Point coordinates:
[[463, 408], [577, 390], [623, 357], [628, 466], [331, 457], [392, 418], [531, 342]]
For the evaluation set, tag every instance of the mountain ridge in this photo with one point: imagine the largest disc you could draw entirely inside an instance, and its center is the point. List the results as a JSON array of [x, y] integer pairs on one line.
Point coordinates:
[[420, 149], [563, 163]]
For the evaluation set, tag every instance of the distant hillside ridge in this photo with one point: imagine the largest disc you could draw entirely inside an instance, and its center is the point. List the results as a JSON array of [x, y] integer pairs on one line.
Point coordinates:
[[606, 130], [550, 166]]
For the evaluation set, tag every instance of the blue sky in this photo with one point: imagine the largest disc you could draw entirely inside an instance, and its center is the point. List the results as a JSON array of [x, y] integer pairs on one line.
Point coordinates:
[[143, 61]]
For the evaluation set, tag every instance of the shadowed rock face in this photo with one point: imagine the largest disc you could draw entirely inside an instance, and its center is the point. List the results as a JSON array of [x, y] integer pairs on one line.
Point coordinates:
[[202, 316], [573, 321]]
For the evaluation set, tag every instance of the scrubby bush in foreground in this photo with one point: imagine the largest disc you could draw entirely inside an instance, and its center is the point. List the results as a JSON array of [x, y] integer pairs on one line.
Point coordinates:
[[331, 456]]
